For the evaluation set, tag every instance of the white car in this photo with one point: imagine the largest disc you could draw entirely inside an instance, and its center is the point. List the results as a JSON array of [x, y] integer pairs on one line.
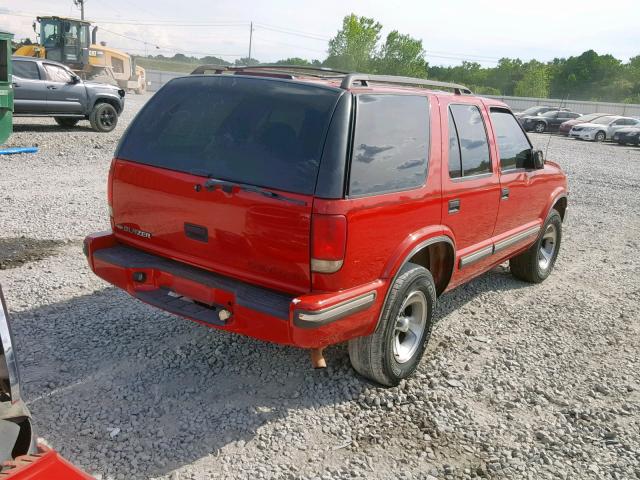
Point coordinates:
[[602, 128]]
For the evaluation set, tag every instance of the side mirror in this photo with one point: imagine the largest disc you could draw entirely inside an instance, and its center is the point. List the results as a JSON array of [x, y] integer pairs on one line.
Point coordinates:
[[538, 159], [75, 79]]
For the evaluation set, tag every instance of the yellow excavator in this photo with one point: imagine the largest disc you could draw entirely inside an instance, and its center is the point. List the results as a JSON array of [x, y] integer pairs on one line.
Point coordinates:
[[67, 40]]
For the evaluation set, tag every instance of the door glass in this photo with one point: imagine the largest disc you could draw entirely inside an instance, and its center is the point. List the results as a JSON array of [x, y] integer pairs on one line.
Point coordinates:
[[513, 146], [474, 147], [26, 69], [57, 74], [390, 145]]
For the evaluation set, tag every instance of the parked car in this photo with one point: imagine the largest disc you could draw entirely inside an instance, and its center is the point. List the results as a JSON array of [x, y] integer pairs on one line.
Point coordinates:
[[44, 88], [565, 127], [602, 129], [547, 122], [628, 135], [291, 210], [537, 110]]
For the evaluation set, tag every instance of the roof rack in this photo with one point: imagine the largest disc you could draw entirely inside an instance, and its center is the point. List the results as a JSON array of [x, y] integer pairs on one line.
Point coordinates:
[[348, 78], [218, 69], [364, 79]]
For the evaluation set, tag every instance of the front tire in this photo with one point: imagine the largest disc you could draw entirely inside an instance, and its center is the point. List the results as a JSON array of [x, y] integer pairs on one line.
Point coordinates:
[[103, 117], [66, 122], [540, 127], [536, 264], [600, 136], [394, 350]]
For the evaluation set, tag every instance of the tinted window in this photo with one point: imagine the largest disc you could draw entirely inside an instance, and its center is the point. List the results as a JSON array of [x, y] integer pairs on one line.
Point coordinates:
[[26, 69], [513, 146], [257, 131], [56, 73], [474, 148], [390, 144]]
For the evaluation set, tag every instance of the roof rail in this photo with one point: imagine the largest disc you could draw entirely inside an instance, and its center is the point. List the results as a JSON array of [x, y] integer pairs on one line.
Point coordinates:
[[209, 68], [364, 79], [304, 68], [218, 69]]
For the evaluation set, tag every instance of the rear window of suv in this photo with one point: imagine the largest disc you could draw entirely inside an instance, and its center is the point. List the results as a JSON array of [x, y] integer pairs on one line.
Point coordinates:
[[256, 131], [390, 144]]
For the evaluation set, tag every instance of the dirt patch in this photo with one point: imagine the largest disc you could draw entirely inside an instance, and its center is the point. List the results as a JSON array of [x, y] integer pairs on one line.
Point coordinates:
[[15, 252]]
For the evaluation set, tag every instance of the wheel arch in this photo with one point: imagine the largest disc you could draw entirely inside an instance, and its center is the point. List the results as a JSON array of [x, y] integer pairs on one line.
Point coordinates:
[[558, 200], [436, 253], [111, 101]]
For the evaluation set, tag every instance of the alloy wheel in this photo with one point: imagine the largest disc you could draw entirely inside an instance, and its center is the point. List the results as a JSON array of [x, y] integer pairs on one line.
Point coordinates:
[[547, 246], [411, 323]]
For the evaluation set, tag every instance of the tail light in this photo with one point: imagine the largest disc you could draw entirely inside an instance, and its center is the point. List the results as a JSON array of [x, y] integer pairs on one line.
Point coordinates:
[[328, 242], [110, 188]]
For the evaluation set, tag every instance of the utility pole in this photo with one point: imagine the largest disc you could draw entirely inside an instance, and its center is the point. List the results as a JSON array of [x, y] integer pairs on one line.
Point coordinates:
[[250, 40], [80, 3]]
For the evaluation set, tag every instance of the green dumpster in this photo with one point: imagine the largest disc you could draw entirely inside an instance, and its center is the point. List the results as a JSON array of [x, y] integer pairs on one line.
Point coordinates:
[[6, 88]]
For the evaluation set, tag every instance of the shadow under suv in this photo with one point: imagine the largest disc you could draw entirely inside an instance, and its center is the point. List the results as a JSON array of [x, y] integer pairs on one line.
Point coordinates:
[[309, 208]]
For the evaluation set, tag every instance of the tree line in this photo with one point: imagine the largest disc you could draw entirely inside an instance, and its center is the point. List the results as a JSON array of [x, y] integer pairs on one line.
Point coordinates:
[[358, 46]]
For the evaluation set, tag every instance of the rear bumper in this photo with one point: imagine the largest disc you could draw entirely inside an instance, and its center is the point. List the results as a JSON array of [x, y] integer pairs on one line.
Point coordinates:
[[311, 320]]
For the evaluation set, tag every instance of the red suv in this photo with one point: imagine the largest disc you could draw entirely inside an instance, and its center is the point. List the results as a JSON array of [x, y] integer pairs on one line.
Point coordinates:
[[313, 207]]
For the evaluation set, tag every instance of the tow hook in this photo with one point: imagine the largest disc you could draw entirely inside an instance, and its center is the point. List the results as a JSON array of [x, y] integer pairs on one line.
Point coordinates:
[[317, 358]]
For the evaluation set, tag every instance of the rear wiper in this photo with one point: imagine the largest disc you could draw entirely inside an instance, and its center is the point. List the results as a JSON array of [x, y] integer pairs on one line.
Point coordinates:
[[226, 186]]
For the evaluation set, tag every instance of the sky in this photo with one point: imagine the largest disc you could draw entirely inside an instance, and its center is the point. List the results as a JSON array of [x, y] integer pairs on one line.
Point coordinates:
[[451, 31]]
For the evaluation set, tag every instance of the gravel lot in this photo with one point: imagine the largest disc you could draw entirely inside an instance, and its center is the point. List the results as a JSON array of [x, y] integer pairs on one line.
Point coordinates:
[[518, 381]]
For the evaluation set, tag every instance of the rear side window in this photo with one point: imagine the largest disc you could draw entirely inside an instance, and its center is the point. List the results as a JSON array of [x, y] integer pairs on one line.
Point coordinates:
[[256, 131], [472, 141], [390, 144], [27, 70], [513, 145]]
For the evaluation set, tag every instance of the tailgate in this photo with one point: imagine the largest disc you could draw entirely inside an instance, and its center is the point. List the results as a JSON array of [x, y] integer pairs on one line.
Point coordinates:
[[239, 233]]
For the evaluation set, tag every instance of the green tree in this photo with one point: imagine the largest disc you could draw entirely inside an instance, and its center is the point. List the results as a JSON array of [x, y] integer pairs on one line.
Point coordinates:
[[246, 62], [354, 46], [293, 61], [401, 55], [535, 82]]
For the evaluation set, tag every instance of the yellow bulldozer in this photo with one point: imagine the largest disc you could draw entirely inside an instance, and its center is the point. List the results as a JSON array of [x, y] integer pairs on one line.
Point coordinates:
[[67, 40]]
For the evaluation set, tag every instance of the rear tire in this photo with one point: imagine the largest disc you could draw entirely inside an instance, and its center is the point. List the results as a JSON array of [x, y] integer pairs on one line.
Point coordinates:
[[536, 264], [103, 117], [66, 122], [600, 136], [394, 350]]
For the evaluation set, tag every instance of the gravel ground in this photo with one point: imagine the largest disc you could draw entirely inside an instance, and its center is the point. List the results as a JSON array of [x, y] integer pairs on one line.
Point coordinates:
[[518, 382]]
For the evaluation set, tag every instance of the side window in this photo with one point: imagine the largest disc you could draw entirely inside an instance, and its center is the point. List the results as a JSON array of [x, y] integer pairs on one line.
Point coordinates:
[[57, 74], [472, 138], [390, 144], [575, 115], [25, 69], [513, 146]]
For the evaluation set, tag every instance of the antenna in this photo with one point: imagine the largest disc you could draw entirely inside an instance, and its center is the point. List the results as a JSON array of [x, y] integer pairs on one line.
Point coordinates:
[[562, 102]]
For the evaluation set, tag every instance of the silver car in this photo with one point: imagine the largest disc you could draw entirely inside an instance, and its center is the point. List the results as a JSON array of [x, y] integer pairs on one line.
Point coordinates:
[[602, 128]]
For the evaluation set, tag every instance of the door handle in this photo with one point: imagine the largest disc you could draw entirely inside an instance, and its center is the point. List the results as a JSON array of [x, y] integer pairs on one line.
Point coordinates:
[[52, 87], [454, 205], [505, 194], [15, 85]]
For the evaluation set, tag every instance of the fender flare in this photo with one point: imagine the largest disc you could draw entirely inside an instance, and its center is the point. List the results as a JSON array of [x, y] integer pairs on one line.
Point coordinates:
[[556, 195], [412, 245]]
